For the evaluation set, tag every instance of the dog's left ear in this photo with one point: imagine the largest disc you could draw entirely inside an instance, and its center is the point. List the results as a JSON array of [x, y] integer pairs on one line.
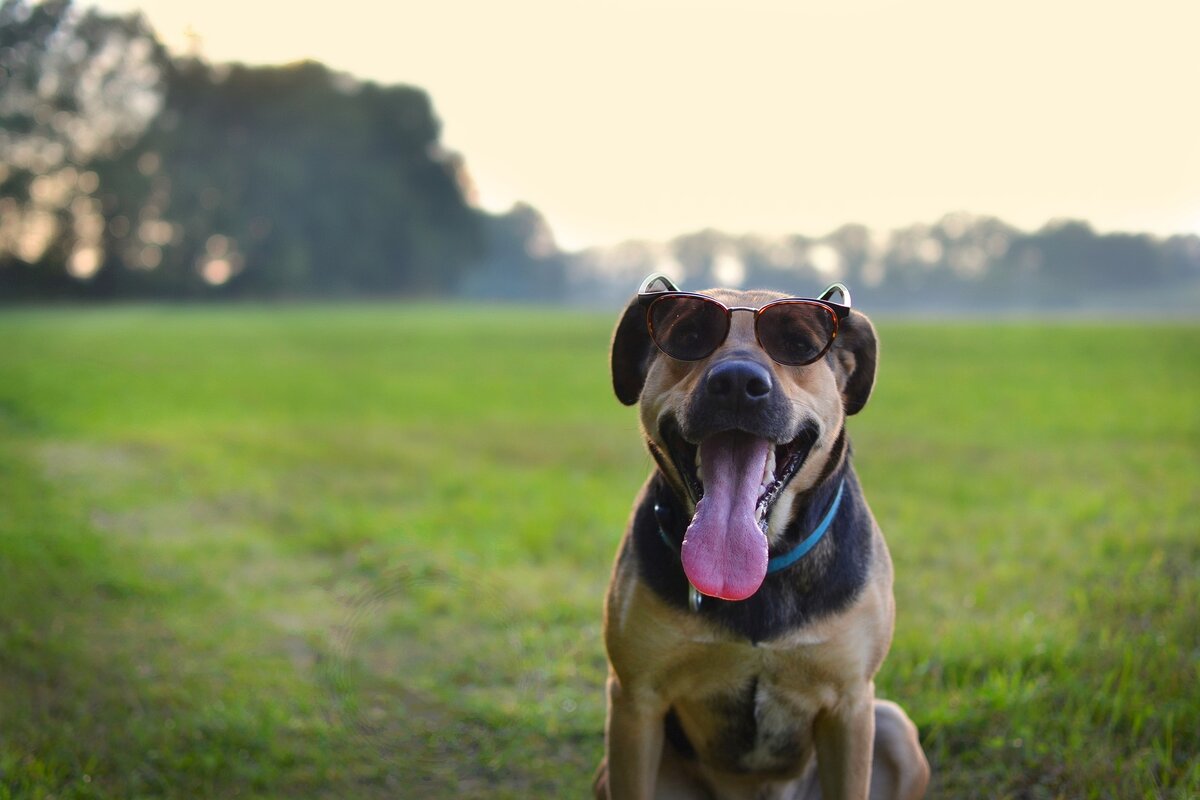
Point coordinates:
[[631, 353], [855, 352]]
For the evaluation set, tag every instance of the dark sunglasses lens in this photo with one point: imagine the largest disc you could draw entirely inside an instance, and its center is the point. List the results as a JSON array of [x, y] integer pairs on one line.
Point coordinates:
[[796, 333], [687, 328]]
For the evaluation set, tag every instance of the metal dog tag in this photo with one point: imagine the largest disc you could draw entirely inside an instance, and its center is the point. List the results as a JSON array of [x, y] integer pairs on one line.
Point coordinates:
[[694, 598]]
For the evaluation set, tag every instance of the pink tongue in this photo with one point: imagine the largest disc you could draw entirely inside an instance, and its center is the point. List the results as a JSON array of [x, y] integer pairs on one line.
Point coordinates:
[[724, 550]]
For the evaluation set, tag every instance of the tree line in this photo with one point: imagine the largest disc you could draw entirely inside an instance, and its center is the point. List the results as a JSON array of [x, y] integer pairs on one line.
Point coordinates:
[[128, 173], [960, 263]]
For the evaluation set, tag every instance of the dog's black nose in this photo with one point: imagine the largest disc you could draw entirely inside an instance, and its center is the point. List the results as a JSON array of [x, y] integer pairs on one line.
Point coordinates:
[[738, 383]]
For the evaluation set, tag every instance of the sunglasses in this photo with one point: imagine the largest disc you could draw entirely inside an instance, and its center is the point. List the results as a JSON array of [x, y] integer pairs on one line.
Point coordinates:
[[689, 327]]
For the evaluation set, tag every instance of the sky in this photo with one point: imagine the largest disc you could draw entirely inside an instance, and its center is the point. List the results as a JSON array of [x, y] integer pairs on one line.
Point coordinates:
[[623, 119]]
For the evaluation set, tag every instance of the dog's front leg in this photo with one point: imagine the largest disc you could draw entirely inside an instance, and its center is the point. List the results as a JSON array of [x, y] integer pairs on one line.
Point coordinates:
[[845, 738], [633, 740]]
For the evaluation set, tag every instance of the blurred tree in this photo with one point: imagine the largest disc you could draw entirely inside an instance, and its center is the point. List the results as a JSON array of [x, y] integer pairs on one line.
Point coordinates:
[[523, 261], [853, 245], [697, 254], [123, 172], [779, 264], [291, 180], [1181, 259], [74, 89]]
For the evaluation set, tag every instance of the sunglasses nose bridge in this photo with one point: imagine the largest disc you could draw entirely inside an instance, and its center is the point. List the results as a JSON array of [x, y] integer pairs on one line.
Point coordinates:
[[743, 328]]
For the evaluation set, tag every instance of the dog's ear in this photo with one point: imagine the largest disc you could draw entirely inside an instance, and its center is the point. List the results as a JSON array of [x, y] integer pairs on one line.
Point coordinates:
[[855, 352], [631, 353]]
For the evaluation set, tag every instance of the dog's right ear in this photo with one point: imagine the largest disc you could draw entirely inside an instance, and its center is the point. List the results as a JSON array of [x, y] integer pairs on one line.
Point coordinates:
[[631, 353]]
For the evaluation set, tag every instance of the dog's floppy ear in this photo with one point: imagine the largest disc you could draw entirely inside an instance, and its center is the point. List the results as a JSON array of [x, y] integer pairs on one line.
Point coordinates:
[[631, 353], [855, 352]]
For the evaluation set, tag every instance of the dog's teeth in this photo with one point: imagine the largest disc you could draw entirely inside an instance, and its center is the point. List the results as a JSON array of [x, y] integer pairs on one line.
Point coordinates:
[[769, 468], [760, 519]]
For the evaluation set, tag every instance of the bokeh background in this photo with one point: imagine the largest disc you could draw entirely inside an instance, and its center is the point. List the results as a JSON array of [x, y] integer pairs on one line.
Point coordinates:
[[939, 158], [310, 472]]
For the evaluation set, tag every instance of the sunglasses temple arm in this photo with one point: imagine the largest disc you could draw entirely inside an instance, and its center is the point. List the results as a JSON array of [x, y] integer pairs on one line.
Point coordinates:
[[837, 288], [657, 277]]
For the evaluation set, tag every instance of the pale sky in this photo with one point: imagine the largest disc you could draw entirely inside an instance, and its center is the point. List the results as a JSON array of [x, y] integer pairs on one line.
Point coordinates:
[[649, 118]]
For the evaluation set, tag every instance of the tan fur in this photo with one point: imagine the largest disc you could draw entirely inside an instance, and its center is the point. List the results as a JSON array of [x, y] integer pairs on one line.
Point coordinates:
[[822, 674]]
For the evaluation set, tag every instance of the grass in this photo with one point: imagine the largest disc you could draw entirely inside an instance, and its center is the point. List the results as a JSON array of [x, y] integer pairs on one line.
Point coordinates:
[[360, 551]]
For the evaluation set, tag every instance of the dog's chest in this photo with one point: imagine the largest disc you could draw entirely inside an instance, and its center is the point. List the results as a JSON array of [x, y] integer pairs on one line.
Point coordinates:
[[758, 727], [756, 719]]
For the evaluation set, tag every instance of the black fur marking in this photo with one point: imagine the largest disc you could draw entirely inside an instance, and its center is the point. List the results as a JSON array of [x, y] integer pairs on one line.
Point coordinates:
[[839, 451], [825, 581], [676, 737], [740, 732]]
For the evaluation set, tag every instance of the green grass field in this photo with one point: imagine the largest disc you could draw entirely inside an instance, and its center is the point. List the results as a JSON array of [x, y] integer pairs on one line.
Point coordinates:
[[360, 551]]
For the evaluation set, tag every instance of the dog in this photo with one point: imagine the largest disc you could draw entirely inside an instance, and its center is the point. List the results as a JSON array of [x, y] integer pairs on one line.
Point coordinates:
[[751, 600]]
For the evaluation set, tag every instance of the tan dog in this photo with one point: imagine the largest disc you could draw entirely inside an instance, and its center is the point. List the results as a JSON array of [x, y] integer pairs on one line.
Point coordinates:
[[751, 602]]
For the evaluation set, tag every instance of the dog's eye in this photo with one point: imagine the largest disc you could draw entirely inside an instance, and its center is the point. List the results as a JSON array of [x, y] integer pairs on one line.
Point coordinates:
[[686, 332], [688, 328], [796, 332]]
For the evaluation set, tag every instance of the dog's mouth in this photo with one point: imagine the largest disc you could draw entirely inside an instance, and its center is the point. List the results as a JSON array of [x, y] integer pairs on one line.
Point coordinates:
[[734, 477]]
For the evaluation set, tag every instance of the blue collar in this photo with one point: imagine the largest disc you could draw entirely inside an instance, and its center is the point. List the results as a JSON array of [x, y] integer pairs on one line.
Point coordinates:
[[783, 560]]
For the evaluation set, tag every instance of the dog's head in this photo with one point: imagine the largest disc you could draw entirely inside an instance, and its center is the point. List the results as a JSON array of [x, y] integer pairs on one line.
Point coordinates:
[[738, 435]]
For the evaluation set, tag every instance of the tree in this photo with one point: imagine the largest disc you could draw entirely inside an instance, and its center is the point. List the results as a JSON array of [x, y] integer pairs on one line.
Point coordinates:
[[522, 260], [292, 180], [74, 89], [123, 172]]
